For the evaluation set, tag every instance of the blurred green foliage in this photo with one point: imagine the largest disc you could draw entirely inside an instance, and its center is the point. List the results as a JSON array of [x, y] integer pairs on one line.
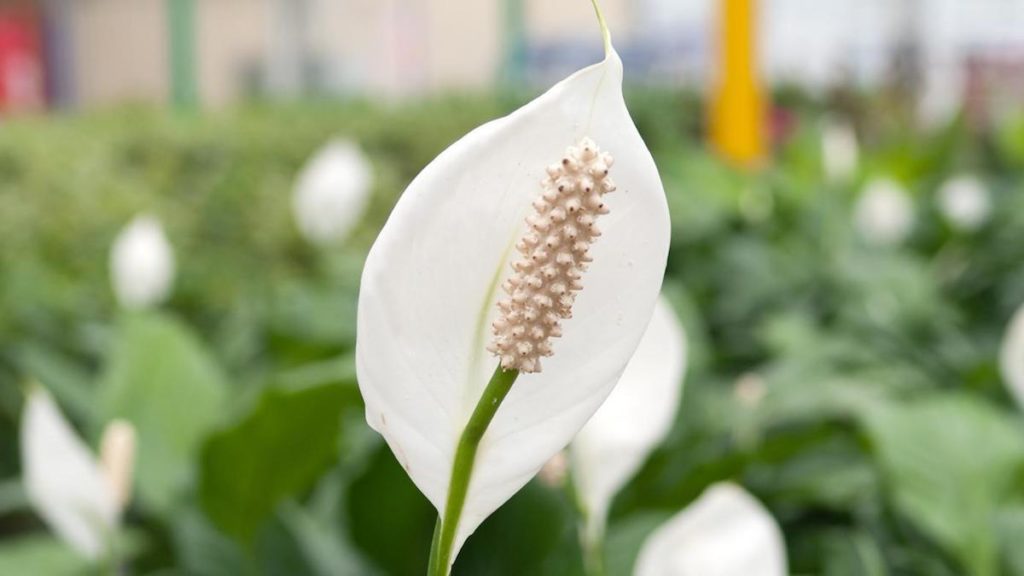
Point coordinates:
[[854, 390]]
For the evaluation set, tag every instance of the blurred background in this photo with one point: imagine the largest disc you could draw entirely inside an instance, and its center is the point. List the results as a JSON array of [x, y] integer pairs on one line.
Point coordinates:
[[846, 184]]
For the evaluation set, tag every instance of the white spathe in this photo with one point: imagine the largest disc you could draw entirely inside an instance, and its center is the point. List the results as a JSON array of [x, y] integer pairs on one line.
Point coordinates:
[[965, 202], [142, 264], [1011, 357], [431, 282], [725, 532], [331, 192], [633, 420], [64, 482], [884, 213], [839, 151]]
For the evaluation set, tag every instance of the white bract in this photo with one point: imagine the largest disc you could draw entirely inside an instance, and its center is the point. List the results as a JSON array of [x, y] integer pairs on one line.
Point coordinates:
[[331, 192], [79, 499], [142, 264], [965, 202], [884, 213], [1011, 357], [433, 280], [726, 532], [839, 151], [632, 421]]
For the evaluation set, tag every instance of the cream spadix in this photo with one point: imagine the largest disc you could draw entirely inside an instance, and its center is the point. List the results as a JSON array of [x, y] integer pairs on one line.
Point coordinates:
[[555, 252], [432, 282]]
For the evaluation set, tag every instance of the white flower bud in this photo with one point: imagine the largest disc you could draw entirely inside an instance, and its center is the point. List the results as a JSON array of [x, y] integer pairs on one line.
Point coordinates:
[[1011, 357], [839, 151], [331, 192], [965, 202], [726, 532], [142, 264], [884, 213]]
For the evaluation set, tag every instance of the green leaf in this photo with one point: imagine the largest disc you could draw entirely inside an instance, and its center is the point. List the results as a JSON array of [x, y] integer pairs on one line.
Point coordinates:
[[41, 555], [162, 380], [1011, 534], [275, 451], [521, 537], [852, 553], [203, 551], [322, 543], [389, 521], [12, 496], [948, 462]]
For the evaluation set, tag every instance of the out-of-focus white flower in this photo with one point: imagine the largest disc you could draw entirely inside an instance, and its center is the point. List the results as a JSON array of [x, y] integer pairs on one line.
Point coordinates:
[[884, 213], [965, 202], [142, 264], [1011, 357], [942, 96], [839, 151], [331, 192], [633, 420], [80, 500], [726, 532]]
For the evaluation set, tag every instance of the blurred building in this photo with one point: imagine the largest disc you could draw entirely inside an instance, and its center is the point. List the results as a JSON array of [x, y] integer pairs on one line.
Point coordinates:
[[87, 53]]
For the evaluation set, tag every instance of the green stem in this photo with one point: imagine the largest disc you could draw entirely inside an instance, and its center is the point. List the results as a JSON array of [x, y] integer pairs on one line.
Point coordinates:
[[593, 556], [605, 34], [591, 543], [434, 541], [462, 469]]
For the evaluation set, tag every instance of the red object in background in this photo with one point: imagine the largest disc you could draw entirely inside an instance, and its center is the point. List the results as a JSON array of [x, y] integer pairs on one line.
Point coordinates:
[[21, 60], [782, 124]]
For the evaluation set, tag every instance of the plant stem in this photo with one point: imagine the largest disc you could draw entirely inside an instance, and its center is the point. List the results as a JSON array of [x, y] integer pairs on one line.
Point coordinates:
[[591, 541], [605, 35], [593, 556], [462, 469]]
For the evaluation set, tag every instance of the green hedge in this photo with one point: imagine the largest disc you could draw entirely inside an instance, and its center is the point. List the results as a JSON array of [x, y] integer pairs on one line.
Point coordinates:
[[886, 443]]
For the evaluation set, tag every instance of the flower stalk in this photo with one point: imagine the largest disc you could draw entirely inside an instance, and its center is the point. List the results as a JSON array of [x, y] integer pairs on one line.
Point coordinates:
[[462, 468], [605, 35]]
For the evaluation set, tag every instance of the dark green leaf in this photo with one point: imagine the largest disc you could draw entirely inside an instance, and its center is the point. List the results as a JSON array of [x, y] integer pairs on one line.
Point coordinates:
[[275, 451]]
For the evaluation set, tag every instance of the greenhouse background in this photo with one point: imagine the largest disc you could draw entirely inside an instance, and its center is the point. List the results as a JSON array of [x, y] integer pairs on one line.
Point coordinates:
[[189, 190]]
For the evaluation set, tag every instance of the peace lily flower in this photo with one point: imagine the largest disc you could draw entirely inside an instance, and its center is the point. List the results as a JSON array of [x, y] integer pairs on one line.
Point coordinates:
[[1011, 357], [80, 498], [884, 214], [632, 421], [726, 532], [965, 202], [331, 192], [839, 151], [142, 264], [512, 253]]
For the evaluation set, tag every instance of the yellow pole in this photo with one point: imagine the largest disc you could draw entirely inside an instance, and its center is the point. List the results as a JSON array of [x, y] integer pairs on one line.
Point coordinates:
[[738, 109]]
